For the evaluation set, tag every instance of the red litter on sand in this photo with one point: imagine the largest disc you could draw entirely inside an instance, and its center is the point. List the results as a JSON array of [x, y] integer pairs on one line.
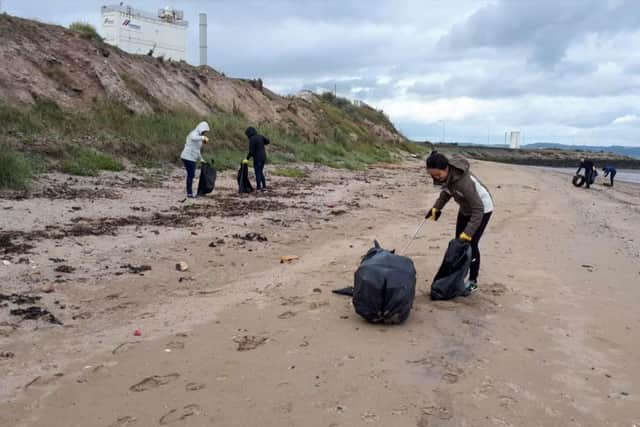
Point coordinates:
[[137, 332]]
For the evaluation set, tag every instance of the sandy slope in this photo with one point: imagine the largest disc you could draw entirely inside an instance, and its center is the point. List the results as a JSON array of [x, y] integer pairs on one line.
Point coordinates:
[[551, 338]]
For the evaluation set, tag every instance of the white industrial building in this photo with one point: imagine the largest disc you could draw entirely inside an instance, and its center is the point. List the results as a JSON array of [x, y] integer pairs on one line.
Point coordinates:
[[138, 32], [515, 140]]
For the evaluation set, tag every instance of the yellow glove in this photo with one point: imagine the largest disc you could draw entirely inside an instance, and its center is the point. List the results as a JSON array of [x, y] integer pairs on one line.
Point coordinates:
[[465, 237], [205, 139], [245, 162], [434, 214]]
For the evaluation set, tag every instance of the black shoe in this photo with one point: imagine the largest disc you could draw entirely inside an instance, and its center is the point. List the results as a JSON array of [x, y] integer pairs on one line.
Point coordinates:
[[470, 287]]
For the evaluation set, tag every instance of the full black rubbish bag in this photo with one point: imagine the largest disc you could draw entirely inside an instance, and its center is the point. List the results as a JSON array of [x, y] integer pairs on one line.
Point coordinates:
[[449, 280], [244, 185], [384, 286], [207, 181]]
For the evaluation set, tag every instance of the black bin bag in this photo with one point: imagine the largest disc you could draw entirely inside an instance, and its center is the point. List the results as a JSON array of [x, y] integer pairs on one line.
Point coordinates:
[[244, 185], [207, 181], [384, 286], [449, 281]]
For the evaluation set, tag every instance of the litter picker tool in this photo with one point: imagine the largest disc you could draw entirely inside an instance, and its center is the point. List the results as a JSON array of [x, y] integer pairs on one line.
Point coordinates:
[[414, 236]]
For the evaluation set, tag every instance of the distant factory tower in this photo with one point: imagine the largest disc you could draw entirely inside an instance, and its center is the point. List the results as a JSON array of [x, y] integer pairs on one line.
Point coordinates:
[[203, 39], [515, 140]]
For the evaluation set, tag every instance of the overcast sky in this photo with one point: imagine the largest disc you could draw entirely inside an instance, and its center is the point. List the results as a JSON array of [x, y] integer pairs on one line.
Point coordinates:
[[557, 70]]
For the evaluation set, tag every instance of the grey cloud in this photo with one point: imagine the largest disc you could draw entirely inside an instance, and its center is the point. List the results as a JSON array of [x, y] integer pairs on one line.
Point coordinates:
[[632, 68], [490, 80], [274, 56], [372, 90], [429, 89], [541, 29]]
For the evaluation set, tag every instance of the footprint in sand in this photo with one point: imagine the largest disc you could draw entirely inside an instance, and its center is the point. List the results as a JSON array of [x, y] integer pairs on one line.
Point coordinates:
[[441, 412], [450, 378], [287, 315], [124, 347], [507, 401], [176, 415], [286, 408], [195, 386], [153, 382], [369, 417], [124, 421], [175, 345], [292, 300], [316, 305], [497, 289], [429, 362], [247, 342]]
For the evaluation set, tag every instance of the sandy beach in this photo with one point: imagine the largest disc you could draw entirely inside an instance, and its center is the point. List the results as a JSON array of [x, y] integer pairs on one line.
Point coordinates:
[[552, 337]]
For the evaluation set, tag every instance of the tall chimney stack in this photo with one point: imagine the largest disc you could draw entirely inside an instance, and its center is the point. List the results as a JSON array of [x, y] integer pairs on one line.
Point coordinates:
[[203, 39]]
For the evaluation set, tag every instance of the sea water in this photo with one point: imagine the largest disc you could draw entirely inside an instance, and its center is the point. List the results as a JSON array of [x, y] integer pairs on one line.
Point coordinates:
[[623, 175]]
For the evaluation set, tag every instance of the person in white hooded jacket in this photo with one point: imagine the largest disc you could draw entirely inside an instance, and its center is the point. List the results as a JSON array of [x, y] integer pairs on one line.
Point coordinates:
[[191, 153]]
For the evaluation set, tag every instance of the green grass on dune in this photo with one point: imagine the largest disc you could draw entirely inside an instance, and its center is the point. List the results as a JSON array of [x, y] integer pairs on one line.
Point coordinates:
[[100, 138], [85, 30], [15, 170], [89, 162]]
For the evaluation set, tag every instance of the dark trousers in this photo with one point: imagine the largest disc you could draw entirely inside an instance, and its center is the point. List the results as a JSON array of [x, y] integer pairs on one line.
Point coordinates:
[[611, 175], [191, 173], [461, 224], [258, 168], [588, 177]]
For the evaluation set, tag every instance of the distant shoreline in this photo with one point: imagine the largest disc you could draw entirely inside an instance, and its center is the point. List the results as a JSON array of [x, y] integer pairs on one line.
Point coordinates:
[[628, 176], [557, 158]]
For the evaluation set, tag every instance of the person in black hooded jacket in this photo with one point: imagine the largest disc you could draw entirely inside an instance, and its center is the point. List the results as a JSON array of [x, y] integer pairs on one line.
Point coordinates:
[[609, 171], [589, 168], [258, 152]]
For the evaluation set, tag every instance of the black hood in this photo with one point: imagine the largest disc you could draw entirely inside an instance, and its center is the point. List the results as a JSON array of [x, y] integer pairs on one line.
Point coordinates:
[[250, 132]]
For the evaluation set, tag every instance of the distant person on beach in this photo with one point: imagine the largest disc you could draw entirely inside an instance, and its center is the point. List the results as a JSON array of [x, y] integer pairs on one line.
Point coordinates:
[[476, 204], [191, 154], [588, 167], [258, 152], [610, 171]]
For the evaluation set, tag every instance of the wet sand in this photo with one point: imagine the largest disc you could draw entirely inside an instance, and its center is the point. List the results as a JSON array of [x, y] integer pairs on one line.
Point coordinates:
[[239, 339]]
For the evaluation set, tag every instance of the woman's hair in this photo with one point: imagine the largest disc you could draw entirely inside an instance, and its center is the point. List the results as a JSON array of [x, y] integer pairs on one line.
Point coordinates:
[[437, 161]]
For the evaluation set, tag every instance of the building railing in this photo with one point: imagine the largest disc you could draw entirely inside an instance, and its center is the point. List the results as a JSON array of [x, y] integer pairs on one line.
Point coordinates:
[[134, 13]]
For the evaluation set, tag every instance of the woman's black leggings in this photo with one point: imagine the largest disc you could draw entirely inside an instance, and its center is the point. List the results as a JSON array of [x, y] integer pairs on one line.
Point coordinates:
[[461, 224]]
